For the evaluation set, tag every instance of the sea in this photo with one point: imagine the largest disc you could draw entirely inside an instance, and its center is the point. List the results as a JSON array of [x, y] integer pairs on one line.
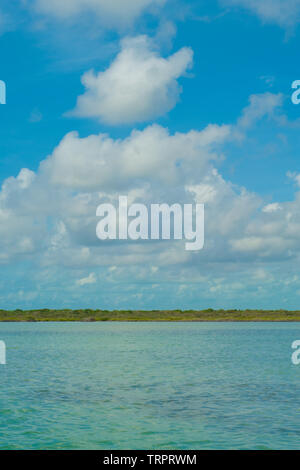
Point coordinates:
[[148, 386]]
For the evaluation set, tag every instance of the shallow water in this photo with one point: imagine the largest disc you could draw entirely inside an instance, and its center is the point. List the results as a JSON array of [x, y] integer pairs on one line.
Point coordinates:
[[149, 386]]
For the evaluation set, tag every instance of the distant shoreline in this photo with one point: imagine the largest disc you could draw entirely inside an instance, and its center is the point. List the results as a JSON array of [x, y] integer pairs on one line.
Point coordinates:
[[209, 315]]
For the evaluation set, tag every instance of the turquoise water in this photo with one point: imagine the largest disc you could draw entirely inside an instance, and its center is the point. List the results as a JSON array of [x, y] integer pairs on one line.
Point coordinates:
[[149, 386]]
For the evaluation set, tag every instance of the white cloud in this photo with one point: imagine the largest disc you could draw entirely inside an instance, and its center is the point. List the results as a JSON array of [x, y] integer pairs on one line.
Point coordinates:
[[139, 85], [264, 104], [117, 12], [294, 176], [49, 216], [274, 207], [91, 279], [259, 244], [285, 13], [98, 162]]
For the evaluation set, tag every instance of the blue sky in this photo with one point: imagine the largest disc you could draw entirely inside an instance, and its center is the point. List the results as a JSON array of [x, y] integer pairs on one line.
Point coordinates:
[[208, 111]]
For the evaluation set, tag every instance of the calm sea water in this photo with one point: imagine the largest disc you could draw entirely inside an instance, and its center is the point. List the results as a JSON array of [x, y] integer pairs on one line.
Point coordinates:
[[149, 386]]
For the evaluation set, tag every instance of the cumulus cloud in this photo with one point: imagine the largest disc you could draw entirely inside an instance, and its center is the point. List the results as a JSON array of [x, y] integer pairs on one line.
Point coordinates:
[[264, 104], [285, 13], [50, 216], [90, 279], [274, 207], [99, 162], [113, 11], [139, 85]]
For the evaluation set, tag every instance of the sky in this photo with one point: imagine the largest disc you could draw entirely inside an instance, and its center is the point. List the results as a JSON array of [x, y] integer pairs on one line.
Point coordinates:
[[168, 101]]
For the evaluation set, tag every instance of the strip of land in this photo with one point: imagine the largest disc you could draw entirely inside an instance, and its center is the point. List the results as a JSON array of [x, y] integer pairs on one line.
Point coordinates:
[[209, 315]]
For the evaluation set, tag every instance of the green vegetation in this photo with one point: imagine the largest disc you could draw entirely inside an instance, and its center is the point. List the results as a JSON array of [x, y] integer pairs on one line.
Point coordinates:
[[208, 315]]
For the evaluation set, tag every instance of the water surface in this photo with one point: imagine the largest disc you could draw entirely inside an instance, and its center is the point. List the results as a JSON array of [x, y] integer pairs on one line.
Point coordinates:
[[149, 386]]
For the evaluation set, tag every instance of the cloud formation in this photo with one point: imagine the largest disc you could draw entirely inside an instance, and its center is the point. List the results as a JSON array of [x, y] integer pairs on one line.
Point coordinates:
[[49, 217], [116, 12], [264, 104], [100, 163], [90, 279], [285, 13], [139, 85]]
